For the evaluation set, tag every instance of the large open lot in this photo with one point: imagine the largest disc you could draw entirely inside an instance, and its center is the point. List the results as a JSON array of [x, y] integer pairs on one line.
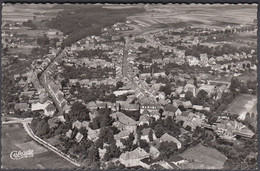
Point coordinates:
[[14, 138], [205, 156], [24, 12], [242, 104]]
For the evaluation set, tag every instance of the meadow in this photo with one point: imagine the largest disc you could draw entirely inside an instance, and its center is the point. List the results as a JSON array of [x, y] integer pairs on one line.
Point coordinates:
[[14, 138]]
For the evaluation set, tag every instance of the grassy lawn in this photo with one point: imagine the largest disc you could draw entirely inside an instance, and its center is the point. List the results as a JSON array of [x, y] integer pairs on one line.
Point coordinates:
[[15, 138], [205, 156], [242, 104]]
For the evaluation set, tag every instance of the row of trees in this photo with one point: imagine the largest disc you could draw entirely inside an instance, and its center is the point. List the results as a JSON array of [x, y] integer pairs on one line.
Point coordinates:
[[102, 92], [30, 24], [238, 86], [167, 125], [196, 50], [90, 54], [9, 91]]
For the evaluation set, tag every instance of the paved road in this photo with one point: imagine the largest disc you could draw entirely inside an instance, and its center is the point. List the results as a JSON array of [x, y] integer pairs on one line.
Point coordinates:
[[45, 82], [17, 120]]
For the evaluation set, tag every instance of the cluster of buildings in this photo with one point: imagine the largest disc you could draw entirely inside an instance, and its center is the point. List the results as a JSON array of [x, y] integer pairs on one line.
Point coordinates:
[[229, 130]]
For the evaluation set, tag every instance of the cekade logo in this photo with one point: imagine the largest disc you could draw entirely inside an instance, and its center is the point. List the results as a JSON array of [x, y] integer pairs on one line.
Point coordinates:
[[17, 155]]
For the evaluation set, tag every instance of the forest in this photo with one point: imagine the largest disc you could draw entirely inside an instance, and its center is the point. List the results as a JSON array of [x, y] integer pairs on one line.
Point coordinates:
[[80, 21]]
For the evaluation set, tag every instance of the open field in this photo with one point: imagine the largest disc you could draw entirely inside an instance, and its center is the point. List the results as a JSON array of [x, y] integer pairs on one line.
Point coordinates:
[[14, 138], [215, 17], [206, 156], [28, 32], [25, 12], [242, 104]]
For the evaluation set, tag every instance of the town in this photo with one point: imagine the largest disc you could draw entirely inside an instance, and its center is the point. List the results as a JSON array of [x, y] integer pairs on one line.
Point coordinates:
[[144, 92]]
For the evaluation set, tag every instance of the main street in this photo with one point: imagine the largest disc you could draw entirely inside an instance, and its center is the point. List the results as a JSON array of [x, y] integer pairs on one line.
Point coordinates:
[[126, 71], [45, 81]]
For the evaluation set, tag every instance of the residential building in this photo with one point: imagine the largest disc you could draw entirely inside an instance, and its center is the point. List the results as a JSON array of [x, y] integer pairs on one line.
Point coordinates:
[[168, 138], [133, 158], [124, 122], [145, 134]]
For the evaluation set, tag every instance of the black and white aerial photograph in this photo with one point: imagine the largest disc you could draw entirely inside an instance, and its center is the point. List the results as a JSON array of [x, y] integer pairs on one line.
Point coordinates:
[[129, 86]]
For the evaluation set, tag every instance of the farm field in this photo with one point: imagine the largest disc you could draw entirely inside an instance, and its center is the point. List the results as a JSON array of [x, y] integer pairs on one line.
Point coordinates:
[[216, 16], [26, 12], [14, 138], [207, 157], [242, 104]]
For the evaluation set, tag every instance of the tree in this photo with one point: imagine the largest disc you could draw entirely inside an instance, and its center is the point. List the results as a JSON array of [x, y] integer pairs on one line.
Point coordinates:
[[171, 127], [222, 107], [54, 122], [62, 129], [141, 67], [35, 122], [79, 112], [93, 154], [107, 155], [188, 128], [235, 83], [243, 88], [74, 133], [43, 41], [143, 144], [42, 127], [119, 84], [127, 143], [161, 112], [150, 135], [105, 119], [30, 24], [148, 80], [5, 50], [78, 86], [114, 130], [99, 143], [111, 139], [131, 136], [201, 97], [195, 82], [189, 96], [167, 149], [166, 89], [114, 150], [198, 130], [110, 98], [83, 131], [212, 119], [159, 130]]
